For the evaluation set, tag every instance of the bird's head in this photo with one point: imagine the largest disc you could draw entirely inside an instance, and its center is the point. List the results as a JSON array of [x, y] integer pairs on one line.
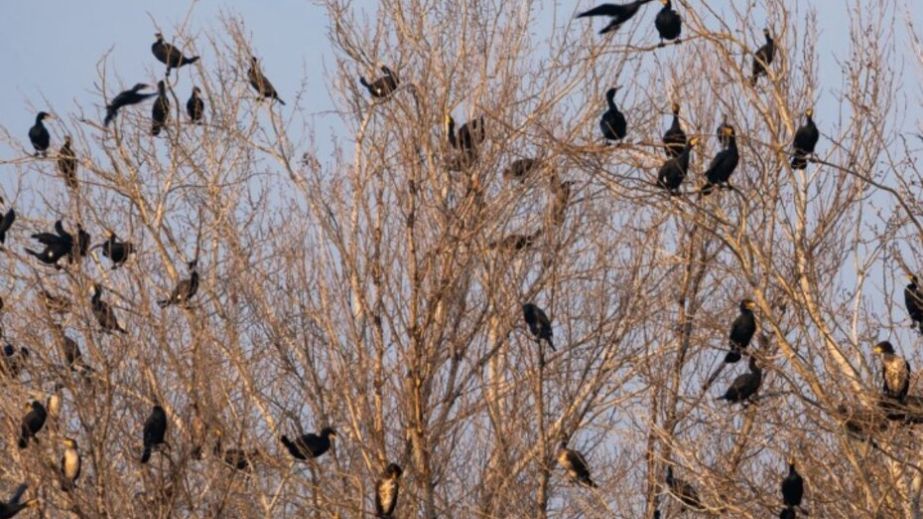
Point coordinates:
[[912, 278], [766, 33], [44, 115], [159, 37], [693, 141], [393, 470], [809, 113], [665, 2], [28, 406], [192, 264], [884, 348], [67, 140], [727, 131], [675, 108], [328, 432], [96, 289], [196, 90], [70, 443], [747, 304], [791, 461], [611, 92], [254, 60]]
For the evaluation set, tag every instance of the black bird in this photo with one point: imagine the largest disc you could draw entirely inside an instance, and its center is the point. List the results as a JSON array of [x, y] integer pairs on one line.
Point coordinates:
[[126, 98], [383, 86], [668, 23], [170, 55], [745, 386], [538, 323], [5, 223], [160, 113], [155, 428], [805, 140], [32, 423], [684, 491], [70, 464], [673, 171], [10, 508], [386, 491], [237, 459], [895, 371], [742, 330], [792, 487], [913, 300], [620, 13], [309, 445], [787, 513], [674, 140], [117, 251], [763, 57], [723, 132], [57, 244], [185, 289], [13, 360], [470, 135], [195, 107], [104, 313], [575, 465], [612, 123], [39, 135], [723, 165], [67, 163], [519, 169], [259, 82]]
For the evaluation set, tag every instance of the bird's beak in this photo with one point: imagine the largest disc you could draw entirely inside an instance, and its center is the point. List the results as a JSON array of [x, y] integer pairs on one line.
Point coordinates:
[[877, 349]]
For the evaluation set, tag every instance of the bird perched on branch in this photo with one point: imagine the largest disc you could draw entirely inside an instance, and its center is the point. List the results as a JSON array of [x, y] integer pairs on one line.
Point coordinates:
[[67, 163], [895, 372], [155, 429], [684, 491], [39, 135], [309, 445], [723, 165], [612, 123], [70, 464], [805, 140], [32, 423], [11, 508], [674, 140], [745, 386], [792, 490], [117, 251], [386, 491], [673, 171], [520, 169], [470, 135], [383, 86], [539, 324], [169, 55], [104, 313], [763, 57], [185, 289], [6, 222], [160, 112], [575, 465], [668, 23], [260, 83], [126, 98], [620, 13], [195, 106], [913, 300]]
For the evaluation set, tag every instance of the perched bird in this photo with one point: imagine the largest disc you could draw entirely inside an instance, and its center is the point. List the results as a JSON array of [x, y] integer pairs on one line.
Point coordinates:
[[620, 13], [61, 243], [67, 163], [668, 23], [309, 445], [470, 135], [805, 140], [10, 508], [515, 242], [72, 354], [724, 131], [895, 371], [259, 82], [195, 107], [386, 491], [155, 428], [913, 300], [54, 401], [674, 140], [742, 330], [104, 313], [237, 459], [32, 423], [723, 165], [561, 192], [126, 98], [169, 55], [792, 487], [538, 323], [673, 171], [612, 123], [519, 169], [383, 86], [6, 221], [160, 112], [117, 251], [13, 360], [185, 289], [39, 135], [575, 465], [70, 464], [684, 491], [745, 386], [763, 57]]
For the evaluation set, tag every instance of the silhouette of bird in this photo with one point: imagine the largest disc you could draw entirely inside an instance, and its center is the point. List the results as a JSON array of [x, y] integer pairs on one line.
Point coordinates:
[[470, 135], [612, 123], [805, 140], [674, 139], [185, 289], [895, 371], [160, 112], [620, 13], [70, 464], [67, 163], [11, 508], [575, 465], [742, 330], [126, 98], [383, 86], [39, 135], [169, 55], [13, 360], [724, 131], [763, 57], [913, 300], [155, 428], [723, 165], [6, 221], [259, 82], [673, 171], [32, 423], [519, 169], [386, 491], [668, 23], [684, 491], [309, 445], [745, 386], [104, 313], [117, 251], [538, 323], [792, 487], [195, 106]]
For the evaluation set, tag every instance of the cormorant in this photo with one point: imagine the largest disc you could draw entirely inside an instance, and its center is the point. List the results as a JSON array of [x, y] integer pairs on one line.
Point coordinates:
[[787, 513], [723, 165], [155, 427], [673, 171], [117, 251], [259, 82], [237, 459], [160, 112], [520, 169], [169, 55], [538, 323], [6, 222], [723, 132], [39, 135], [668, 23], [61, 243], [913, 300], [386, 491], [895, 371], [309, 445], [684, 491], [104, 313], [70, 464], [742, 330], [9, 509], [195, 107], [792, 487], [674, 140], [620, 13], [383, 86], [745, 386], [470, 135], [13, 360], [72, 354], [67, 163], [126, 98], [763, 57], [185, 289], [575, 465], [805, 139], [32, 423], [612, 123]]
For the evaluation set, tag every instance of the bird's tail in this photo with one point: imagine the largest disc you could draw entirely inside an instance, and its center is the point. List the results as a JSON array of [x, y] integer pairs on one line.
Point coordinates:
[[551, 344], [20, 490], [189, 61], [146, 455], [110, 115], [799, 161], [281, 102], [364, 83], [23, 442], [754, 79], [590, 483], [155, 129], [707, 189], [612, 27]]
